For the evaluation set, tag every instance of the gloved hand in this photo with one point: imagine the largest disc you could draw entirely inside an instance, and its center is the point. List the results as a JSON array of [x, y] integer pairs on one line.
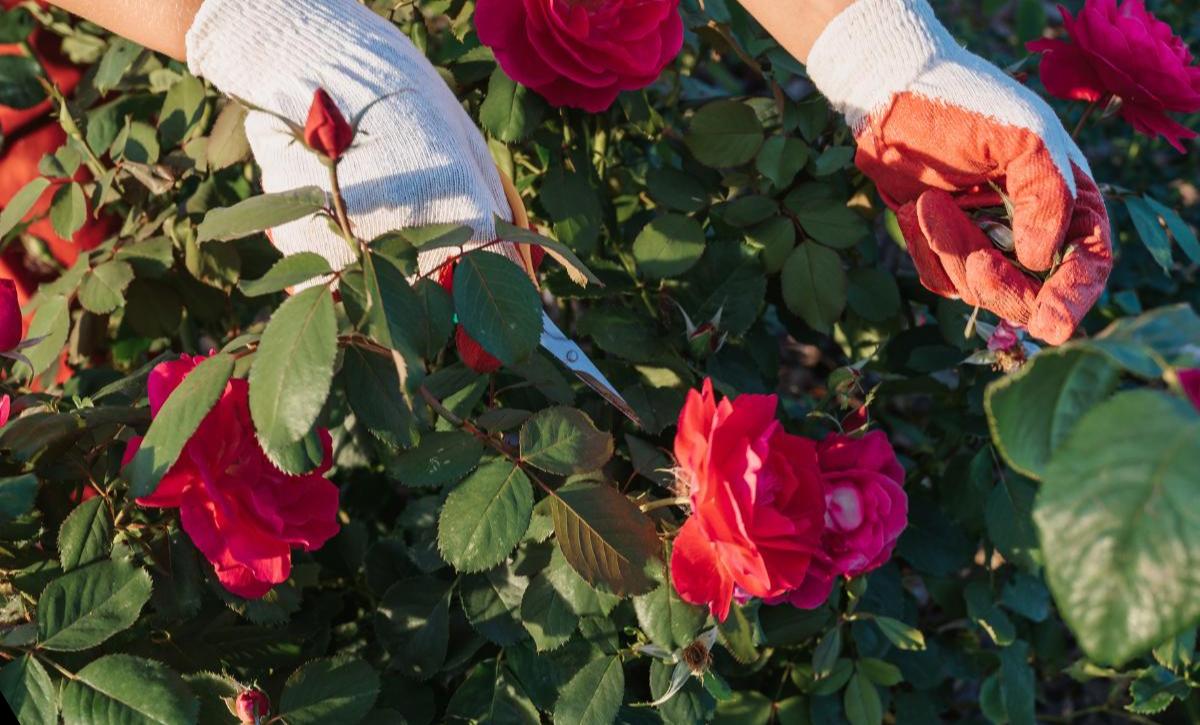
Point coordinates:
[[419, 159], [936, 126]]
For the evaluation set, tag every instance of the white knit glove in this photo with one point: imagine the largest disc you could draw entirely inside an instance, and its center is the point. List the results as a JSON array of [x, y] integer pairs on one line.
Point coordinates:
[[937, 127], [418, 160]]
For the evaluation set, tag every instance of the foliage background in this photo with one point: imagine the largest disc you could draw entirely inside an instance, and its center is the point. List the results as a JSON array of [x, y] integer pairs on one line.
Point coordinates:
[[675, 203]]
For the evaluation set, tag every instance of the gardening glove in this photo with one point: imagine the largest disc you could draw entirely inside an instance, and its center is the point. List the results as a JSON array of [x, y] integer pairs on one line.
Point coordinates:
[[937, 127], [418, 158]]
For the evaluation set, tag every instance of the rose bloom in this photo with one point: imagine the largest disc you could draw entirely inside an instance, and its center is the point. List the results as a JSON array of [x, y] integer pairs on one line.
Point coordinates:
[[866, 510], [242, 512], [10, 316], [326, 131], [581, 53], [757, 503], [1190, 381], [1128, 53]]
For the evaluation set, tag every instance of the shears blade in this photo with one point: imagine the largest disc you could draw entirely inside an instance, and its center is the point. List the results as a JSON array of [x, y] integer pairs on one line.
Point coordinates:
[[573, 357]]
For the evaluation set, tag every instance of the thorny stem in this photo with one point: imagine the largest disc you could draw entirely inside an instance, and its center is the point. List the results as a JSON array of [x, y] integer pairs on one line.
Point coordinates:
[[339, 207], [1087, 114]]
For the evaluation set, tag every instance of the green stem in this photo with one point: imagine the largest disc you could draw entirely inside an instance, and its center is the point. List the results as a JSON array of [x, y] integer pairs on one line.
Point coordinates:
[[1087, 114], [339, 208]]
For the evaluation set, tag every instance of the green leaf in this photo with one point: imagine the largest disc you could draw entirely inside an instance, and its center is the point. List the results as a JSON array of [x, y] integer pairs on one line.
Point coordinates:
[[492, 603], [564, 441], [669, 621], [1031, 412], [1115, 517], [814, 286], [485, 516], [982, 610], [1017, 684], [436, 322], [85, 607], [669, 246], [137, 142], [16, 496], [781, 158], [182, 109], [440, 458], [374, 391], [175, 423], [68, 210], [900, 634], [676, 190], [227, 143], [584, 599], [51, 323], [606, 537], [20, 204], [873, 294], [116, 61], [776, 238], [510, 112], [547, 615], [287, 272], [103, 288], [725, 133], [329, 690], [31, 695], [826, 653], [882, 673], [19, 87], [293, 368], [861, 701], [259, 213], [559, 252], [86, 535], [1150, 230], [413, 621], [1009, 517], [829, 222], [573, 204], [16, 25], [1183, 234], [593, 696], [498, 305], [122, 689]]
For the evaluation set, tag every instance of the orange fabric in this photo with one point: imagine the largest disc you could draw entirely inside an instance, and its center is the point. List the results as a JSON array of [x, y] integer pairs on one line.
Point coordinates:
[[931, 161]]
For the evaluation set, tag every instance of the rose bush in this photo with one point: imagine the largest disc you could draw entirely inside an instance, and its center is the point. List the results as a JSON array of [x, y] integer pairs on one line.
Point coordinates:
[[340, 515]]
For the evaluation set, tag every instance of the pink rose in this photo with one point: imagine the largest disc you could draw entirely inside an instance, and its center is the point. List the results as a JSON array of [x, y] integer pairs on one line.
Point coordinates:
[[1128, 53], [242, 512], [1190, 380], [757, 507], [1004, 339], [11, 326], [252, 706], [866, 510], [581, 53]]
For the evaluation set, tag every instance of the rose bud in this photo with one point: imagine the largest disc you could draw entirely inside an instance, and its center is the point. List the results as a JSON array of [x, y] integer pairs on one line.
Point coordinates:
[[10, 316], [327, 131], [704, 339], [252, 705]]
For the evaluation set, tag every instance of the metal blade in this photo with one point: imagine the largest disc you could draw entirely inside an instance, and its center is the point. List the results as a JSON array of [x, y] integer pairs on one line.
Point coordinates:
[[572, 356]]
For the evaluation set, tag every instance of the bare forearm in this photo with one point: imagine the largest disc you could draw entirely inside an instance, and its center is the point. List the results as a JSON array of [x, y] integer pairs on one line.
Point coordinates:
[[796, 24], [157, 24]]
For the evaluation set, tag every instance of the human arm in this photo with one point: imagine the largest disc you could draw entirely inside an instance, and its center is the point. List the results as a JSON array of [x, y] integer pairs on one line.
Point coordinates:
[[157, 24], [795, 24]]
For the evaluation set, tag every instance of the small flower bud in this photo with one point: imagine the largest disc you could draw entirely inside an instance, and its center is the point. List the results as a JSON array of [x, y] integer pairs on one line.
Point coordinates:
[[327, 132], [252, 705]]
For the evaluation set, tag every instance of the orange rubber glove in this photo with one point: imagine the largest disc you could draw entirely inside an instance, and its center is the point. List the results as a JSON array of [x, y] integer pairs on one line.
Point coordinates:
[[936, 127]]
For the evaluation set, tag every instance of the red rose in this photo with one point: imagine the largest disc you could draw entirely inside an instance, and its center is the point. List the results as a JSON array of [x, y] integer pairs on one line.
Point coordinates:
[[1190, 380], [757, 504], [252, 706], [866, 510], [581, 53], [327, 132], [11, 326], [1128, 53], [242, 512]]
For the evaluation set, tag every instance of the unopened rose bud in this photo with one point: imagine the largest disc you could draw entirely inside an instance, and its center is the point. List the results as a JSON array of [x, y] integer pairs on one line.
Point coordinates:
[[705, 340], [327, 132], [252, 706]]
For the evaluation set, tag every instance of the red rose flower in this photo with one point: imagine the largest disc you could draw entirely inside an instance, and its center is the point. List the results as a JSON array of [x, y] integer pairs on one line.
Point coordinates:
[[252, 706], [242, 512], [1128, 53], [11, 326], [581, 53], [757, 504], [866, 510], [327, 131], [1190, 380]]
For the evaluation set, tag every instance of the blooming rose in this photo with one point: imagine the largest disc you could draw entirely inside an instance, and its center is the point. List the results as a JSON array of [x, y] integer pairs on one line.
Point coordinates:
[[1190, 380], [327, 132], [242, 512], [866, 509], [10, 316], [581, 53], [757, 504], [1128, 53]]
